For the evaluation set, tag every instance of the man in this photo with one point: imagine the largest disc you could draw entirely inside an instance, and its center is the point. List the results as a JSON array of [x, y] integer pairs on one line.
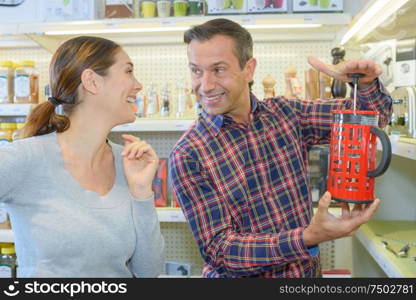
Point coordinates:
[[240, 172]]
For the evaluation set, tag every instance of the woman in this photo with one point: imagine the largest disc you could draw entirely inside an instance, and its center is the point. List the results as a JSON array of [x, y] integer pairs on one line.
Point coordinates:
[[80, 205]]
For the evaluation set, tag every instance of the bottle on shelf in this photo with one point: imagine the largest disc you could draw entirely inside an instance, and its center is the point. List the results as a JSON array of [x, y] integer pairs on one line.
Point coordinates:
[[165, 110], [189, 102], [6, 82], [152, 108], [180, 100], [20, 123], [26, 83], [6, 133], [140, 102], [8, 262]]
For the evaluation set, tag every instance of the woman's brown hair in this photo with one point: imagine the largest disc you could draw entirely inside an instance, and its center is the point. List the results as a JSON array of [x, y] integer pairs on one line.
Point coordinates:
[[69, 61]]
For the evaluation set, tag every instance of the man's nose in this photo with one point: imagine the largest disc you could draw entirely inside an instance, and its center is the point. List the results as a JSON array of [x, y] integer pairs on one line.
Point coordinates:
[[208, 82]]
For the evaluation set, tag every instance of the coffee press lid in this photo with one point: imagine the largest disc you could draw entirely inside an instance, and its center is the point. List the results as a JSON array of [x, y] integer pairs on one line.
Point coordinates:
[[359, 117]]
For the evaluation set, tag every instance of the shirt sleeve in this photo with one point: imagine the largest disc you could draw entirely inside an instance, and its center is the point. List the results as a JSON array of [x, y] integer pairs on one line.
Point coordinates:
[[221, 246], [14, 168], [315, 115], [148, 259]]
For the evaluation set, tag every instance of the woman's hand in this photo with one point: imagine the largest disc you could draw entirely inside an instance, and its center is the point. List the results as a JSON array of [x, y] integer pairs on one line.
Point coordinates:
[[140, 164]]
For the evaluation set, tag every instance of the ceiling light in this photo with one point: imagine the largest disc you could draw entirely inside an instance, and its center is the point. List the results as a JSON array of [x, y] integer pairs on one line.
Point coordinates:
[[373, 17]]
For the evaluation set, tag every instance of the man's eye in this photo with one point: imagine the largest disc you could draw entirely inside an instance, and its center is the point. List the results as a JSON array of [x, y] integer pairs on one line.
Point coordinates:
[[219, 70], [196, 71]]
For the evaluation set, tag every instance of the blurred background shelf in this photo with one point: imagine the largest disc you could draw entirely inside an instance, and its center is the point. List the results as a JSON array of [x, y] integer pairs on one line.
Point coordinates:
[[143, 125], [15, 109], [6, 236], [403, 147]]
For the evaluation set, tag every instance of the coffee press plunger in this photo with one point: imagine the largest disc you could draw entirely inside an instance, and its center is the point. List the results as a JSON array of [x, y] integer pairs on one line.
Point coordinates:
[[353, 153]]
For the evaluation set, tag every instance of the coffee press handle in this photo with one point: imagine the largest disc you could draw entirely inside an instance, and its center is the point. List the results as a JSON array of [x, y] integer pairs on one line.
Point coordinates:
[[386, 153]]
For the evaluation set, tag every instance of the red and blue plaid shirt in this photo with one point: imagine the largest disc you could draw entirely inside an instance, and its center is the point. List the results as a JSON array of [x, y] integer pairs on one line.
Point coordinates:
[[244, 189]]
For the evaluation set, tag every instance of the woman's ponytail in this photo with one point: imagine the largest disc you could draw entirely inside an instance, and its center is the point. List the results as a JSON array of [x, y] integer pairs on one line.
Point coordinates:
[[43, 120]]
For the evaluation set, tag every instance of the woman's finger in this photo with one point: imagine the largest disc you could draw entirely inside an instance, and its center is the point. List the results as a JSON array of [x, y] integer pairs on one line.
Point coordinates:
[[129, 147]]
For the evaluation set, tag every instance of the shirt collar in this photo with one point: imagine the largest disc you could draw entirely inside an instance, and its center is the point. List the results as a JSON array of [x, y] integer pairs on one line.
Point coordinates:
[[215, 122]]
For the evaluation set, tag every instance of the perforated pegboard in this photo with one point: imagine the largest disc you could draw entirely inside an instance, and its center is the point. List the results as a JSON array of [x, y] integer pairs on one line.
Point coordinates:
[[168, 63], [181, 246], [328, 259]]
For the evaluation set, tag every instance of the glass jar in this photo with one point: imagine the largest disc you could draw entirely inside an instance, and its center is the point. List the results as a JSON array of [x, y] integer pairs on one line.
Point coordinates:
[[6, 81], [17, 131], [6, 132], [8, 262], [26, 83]]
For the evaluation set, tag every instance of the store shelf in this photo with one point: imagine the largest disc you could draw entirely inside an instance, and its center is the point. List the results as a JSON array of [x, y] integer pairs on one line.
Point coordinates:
[[170, 30], [392, 232], [15, 109], [170, 215], [155, 125], [400, 148], [6, 236]]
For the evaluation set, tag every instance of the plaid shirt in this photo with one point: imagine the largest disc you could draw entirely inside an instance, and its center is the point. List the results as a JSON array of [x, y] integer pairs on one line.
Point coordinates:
[[244, 189]]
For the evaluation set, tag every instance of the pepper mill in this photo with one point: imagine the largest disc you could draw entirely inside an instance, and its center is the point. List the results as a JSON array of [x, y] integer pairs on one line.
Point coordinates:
[[268, 83], [324, 86], [311, 84], [293, 87], [338, 88]]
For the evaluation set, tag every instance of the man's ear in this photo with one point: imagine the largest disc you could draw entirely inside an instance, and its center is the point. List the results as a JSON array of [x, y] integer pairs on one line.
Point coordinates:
[[91, 81], [250, 68]]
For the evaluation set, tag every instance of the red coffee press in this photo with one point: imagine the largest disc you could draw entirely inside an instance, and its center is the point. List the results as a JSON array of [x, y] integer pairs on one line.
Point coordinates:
[[353, 153]]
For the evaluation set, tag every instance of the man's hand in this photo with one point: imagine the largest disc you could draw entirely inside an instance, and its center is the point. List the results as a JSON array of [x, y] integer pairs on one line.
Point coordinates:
[[369, 68], [325, 226]]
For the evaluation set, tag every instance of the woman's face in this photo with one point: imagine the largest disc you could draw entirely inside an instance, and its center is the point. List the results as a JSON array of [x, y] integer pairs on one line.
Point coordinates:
[[120, 89]]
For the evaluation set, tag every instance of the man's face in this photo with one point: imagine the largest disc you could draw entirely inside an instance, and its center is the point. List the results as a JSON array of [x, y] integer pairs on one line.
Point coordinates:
[[217, 79]]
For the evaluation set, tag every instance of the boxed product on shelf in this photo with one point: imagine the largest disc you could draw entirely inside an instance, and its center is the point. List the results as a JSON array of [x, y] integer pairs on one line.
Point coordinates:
[[318, 5], [160, 183], [66, 10], [4, 218], [13, 11], [119, 9], [216, 7], [267, 6], [405, 66]]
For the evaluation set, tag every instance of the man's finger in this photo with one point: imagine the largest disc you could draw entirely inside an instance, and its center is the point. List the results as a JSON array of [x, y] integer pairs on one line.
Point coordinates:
[[324, 203], [318, 64]]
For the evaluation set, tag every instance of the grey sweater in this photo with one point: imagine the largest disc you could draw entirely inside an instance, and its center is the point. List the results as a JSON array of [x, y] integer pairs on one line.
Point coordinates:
[[63, 230]]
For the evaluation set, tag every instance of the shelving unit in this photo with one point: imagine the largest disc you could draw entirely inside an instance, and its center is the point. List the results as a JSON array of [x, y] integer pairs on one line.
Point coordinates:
[[6, 236], [150, 125], [15, 109], [170, 30], [399, 25], [400, 148], [391, 265]]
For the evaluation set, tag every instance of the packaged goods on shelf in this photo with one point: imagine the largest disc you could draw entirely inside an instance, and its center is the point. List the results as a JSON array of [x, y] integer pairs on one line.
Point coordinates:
[[26, 82], [267, 6], [6, 81], [318, 5], [216, 7], [8, 261]]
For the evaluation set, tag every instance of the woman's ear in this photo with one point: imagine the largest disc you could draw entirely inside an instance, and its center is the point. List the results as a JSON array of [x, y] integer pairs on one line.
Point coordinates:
[[91, 81]]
